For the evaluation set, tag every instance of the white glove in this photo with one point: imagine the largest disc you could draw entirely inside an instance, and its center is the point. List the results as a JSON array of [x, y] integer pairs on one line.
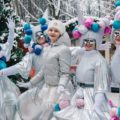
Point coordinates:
[[11, 23], [24, 85], [60, 89], [105, 46], [9, 71]]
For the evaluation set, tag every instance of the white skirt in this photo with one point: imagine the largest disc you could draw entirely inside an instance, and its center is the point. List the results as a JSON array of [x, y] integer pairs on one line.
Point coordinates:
[[37, 104], [9, 93], [86, 113]]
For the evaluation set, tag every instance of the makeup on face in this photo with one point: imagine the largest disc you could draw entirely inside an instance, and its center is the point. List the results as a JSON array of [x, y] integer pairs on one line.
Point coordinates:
[[116, 33], [40, 38], [39, 35], [117, 36], [89, 41]]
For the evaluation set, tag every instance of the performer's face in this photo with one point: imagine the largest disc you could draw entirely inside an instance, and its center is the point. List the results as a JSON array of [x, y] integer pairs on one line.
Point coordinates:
[[117, 37], [89, 44], [40, 38], [54, 34]]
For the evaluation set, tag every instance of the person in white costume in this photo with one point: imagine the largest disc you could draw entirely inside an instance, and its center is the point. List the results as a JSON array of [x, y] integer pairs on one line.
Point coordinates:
[[90, 101], [54, 72], [8, 90], [115, 61]]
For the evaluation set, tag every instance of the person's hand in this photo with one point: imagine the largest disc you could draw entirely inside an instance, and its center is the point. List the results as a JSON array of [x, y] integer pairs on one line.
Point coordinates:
[[107, 45], [24, 85], [10, 23], [60, 89]]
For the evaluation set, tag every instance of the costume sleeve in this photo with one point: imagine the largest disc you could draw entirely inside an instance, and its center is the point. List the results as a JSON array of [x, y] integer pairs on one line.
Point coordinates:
[[101, 78], [9, 44], [75, 53], [64, 62], [23, 67], [37, 78]]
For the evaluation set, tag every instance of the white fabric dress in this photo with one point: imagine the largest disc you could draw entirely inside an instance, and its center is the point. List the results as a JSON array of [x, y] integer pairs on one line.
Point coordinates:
[[9, 92], [92, 70]]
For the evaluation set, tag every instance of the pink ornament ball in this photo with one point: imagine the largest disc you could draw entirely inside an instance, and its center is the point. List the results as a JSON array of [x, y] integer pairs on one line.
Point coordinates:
[[88, 22], [76, 34], [107, 31], [80, 103], [102, 25], [113, 112], [115, 118], [118, 17], [64, 103]]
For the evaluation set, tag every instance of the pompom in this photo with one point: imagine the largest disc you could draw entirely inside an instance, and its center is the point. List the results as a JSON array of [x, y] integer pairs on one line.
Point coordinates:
[[57, 107], [116, 24], [102, 25], [26, 26], [106, 21], [88, 22], [76, 34], [80, 103], [27, 39], [2, 64], [113, 112], [107, 31], [117, 3], [118, 17], [33, 45], [95, 27], [118, 111], [3, 58], [28, 31], [115, 118], [82, 29], [42, 21], [64, 103], [38, 49], [44, 27], [117, 9]]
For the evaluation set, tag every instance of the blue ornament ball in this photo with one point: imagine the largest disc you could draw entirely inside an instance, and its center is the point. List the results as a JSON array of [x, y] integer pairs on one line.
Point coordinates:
[[2, 64], [117, 3], [42, 21], [118, 112], [95, 27], [26, 26], [28, 31], [116, 24], [38, 49], [57, 107], [3, 58], [33, 45], [44, 27], [27, 39]]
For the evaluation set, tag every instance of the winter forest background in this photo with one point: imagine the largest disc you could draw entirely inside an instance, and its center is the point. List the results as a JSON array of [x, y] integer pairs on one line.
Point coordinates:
[[31, 10], [61, 9]]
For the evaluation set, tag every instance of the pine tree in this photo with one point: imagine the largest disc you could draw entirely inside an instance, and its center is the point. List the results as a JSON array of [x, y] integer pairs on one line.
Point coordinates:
[[17, 53]]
